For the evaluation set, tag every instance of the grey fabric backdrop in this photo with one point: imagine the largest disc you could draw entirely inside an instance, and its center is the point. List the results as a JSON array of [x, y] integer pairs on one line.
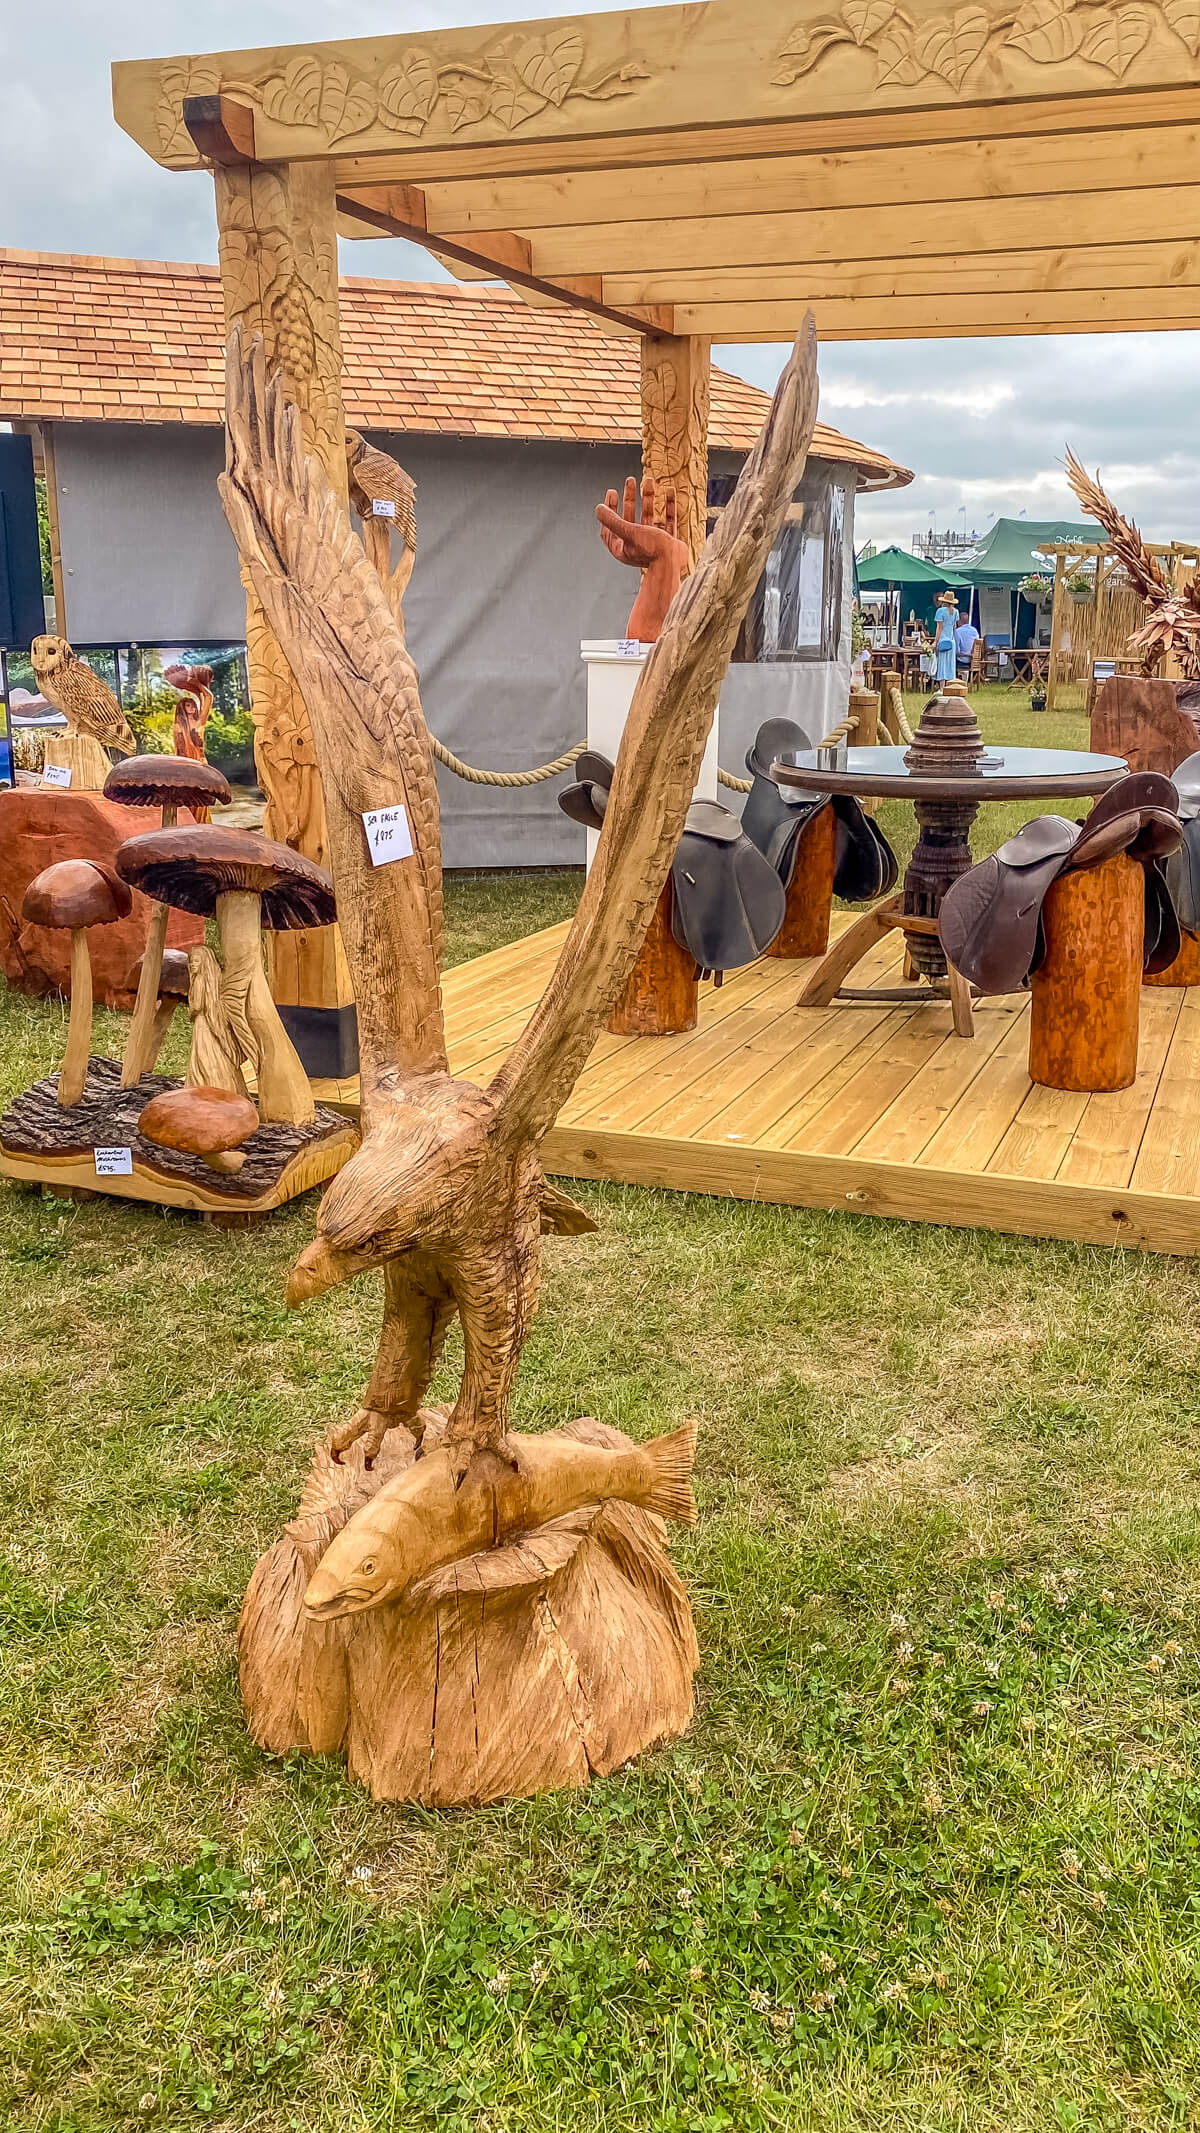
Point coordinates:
[[510, 576]]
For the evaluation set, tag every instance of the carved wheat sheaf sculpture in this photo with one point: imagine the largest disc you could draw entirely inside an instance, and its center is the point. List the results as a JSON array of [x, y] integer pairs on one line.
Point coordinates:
[[447, 1195]]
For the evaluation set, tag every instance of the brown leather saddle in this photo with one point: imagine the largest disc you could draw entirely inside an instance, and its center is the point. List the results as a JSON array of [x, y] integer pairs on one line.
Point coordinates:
[[990, 921], [727, 902], [776, 816]]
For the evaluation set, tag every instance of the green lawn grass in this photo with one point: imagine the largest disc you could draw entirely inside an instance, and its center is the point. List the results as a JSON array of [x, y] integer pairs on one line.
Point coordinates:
[[929, 1859]]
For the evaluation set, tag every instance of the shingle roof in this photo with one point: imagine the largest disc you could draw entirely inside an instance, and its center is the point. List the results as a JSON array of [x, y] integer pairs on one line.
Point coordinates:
[[141, 340]]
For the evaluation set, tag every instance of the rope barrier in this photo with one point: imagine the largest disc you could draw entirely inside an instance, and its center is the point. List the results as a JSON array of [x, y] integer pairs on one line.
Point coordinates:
[[505, 777]]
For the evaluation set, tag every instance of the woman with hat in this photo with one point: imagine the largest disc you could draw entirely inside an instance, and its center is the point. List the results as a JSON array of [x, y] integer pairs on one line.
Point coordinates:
[[943, 636]]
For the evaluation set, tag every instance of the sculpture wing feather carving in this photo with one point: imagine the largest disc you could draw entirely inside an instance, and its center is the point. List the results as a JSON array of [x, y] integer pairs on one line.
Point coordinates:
[[658, 764], [326, 607]]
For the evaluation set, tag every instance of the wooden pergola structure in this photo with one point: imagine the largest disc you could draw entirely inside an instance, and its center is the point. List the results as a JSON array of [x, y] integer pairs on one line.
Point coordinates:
[[1115, 611], [689, 174]]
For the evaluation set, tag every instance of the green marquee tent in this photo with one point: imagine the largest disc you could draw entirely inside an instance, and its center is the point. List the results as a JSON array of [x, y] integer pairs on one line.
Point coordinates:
[[896, 568], [1008, 553]]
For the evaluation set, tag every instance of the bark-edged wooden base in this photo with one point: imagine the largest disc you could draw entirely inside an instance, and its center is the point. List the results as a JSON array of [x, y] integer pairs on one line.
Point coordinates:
[[805, 928], [527, 1668], [1083, 1022], [661, 994], [43, 1142]]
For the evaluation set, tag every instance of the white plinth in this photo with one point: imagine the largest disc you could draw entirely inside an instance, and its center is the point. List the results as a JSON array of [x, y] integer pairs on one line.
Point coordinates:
[[613, 665]]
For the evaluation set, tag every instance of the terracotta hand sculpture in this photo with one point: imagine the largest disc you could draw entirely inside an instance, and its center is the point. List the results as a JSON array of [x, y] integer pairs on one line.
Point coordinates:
[[655, 550]]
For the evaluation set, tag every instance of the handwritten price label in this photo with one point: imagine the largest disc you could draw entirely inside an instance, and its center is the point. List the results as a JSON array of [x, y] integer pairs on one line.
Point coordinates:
[[381, 509], [388, 835], [114, 1162], [56, 774], [629, 648]]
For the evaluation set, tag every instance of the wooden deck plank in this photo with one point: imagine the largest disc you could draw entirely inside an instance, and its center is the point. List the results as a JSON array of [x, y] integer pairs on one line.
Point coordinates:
[[1104, 1147], [876, 1108], [1169, 1157]]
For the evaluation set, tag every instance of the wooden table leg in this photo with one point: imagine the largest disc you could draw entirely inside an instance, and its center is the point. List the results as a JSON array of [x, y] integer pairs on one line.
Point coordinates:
[[849, 949], [960, 1002]]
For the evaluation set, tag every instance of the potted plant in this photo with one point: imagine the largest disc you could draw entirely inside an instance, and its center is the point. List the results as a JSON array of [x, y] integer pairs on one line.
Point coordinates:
[[1080, 587], [1036, 586]]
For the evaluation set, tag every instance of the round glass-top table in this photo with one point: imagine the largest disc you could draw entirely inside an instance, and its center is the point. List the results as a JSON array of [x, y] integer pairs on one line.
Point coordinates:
[[946, 798]]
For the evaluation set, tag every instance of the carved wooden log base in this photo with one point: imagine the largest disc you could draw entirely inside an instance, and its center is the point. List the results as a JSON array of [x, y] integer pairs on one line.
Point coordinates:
[[41, 1141], [523, 1669], [1083, 1024], [942, 854], [805, 928], [1185, 970], [662, 991]]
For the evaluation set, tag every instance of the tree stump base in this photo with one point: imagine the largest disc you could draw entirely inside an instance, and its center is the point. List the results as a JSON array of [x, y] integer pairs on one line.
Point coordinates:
[[43, 1142], [662, 992], [805, 928], [1083, 1027], [520, 1670], [1185, 970]]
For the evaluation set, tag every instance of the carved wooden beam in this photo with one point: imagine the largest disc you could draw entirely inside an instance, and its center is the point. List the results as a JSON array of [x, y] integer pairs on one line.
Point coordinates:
[[502, 255]]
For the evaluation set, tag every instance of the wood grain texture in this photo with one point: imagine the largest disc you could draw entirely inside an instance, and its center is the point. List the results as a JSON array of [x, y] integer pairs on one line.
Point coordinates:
[[659, 995], [1083, 1028], [534, 1665], [805, 928], [676, 372]]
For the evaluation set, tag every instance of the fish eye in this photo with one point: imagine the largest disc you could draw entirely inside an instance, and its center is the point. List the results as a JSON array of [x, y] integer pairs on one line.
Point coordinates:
[[368, 1568]]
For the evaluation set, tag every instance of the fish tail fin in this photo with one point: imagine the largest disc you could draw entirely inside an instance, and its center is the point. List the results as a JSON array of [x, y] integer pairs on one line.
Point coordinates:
[[671, 1460]]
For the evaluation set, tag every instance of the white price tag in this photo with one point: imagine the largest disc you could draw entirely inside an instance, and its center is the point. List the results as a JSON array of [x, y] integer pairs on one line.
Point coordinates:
[[629, 648], [56, 774], [382, 509], [114, 1162], [388, 835]]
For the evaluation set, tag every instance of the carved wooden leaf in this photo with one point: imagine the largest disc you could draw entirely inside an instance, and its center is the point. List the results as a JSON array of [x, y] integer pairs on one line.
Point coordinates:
[[409, 91], [865, 18], [1184, 18], [294, 97], [621, 83], [898, 61], [1114, 41], [803, 49], [177, 79], [346, 106], [467, 99], [550, 66], [951, 44], [1047, 30], [512, 101]]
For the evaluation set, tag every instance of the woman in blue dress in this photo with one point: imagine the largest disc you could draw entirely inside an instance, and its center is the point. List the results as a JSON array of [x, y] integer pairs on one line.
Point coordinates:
[[943, 637]]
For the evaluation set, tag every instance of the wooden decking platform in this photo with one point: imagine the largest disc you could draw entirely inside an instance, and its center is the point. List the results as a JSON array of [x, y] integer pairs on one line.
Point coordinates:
[[879, 1110]]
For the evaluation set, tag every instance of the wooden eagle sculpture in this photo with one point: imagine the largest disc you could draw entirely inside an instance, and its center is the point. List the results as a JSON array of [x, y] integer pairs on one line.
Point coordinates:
[[86, 702], [447, 1195]]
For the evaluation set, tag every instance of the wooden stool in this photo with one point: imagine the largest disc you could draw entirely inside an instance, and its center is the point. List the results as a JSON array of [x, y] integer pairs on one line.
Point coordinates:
[[1083, 1026], [805, 928], [662, 990], [1185, 970]]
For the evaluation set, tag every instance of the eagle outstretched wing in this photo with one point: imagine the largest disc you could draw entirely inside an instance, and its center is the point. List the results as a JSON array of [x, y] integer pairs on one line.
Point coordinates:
[[324, 603]]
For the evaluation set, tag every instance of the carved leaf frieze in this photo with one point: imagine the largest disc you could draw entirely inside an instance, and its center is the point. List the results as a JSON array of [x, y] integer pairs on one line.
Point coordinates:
[[510, 82], [949, 46]]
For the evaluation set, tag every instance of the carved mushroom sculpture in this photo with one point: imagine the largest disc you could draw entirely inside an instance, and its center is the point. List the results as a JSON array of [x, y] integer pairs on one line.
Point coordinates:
[[77, 893], [210, 1123], [169, 782], [174, 985], [247, 883]]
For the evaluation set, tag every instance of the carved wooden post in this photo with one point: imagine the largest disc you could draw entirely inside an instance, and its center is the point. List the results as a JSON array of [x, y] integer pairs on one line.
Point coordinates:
[[660, 996], [279, 276]]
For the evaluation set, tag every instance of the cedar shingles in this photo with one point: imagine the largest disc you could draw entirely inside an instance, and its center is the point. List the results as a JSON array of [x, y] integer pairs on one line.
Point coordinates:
[[141, 340]]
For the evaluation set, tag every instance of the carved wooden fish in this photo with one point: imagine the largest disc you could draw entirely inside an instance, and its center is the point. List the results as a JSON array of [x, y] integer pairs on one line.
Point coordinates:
[[421, 1520]]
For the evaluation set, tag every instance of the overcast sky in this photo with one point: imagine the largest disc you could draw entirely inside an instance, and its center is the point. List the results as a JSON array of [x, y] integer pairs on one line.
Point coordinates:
[[982, 423]]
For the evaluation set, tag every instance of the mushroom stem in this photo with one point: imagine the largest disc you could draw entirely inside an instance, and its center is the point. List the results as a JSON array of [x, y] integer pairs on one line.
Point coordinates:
[[72, 1075], [164, 1015], [141, 1051], [227, 1160], [283, 1091], [216, 1060]]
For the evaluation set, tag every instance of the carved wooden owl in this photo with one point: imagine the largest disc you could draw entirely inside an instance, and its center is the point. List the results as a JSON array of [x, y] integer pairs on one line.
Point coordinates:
[[375, 478], [86, 702]]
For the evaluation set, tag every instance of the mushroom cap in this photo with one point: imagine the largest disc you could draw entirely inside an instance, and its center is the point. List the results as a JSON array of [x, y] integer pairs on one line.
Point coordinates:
[[165, 781], [76, 892], [198, 1121], [190, 868], [175, 978]]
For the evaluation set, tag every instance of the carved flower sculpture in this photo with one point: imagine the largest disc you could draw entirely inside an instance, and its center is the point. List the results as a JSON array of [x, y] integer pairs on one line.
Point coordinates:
[[946, 47]]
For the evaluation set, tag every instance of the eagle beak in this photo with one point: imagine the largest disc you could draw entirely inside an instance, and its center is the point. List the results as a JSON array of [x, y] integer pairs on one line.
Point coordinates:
[[318, 1268]]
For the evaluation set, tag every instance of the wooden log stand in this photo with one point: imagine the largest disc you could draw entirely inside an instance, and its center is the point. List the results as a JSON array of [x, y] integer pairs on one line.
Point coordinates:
[[805, 928], [1185, 970], [661, 994], [1083, 1025]]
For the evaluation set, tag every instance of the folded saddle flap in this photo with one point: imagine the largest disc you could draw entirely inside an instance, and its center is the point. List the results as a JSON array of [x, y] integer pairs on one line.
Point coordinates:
[[990, 917], [1162, 937], [864, 864], [1183, 877], [1186, 780], [728, 902]]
